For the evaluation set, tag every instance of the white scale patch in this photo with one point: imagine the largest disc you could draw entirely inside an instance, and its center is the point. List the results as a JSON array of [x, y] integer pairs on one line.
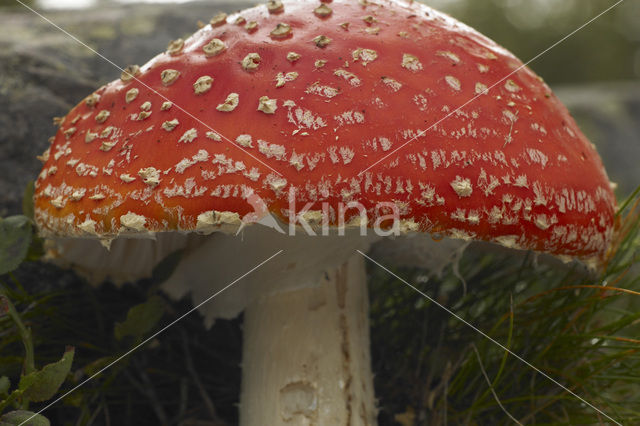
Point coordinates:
[[275, 182], [305, 118], [411, 62], [230, 103], [202, 84], [58, 202], [189, 136], [450, 55], [108, 170], [509, 117], [453, 82], [540, 199], [185, 163], [542, 222], [133, 221], [349, 77], [89, 136], [83, 169], [481, 89], [78, 194], [487, 182], [333, 154], [213, 136], [297, 160], [538, 128], [520, 181], [349, 117], [209, 222], [227, 165], [461, 215], [462, 186], [385, 143], [365, 56], [420, 101], [88, 226], [322, 90], [150, 176], [244, 140], [347, 154], [252, 174], [511, 86], [271, 149], [267, 105], [495, 215], [313, 160], [392, 84], [61, 150], [538, 157], [170, 125], [188, 190], [282, 78], [508, 241]]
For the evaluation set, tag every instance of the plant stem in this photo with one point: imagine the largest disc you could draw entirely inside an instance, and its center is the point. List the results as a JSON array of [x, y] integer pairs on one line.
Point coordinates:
[[25, 334]]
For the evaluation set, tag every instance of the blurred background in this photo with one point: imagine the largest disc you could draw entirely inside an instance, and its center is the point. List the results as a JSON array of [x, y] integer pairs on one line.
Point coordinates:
[[43, 73]]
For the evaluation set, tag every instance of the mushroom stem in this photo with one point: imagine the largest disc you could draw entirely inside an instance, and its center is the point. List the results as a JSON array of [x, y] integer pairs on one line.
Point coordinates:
[[306, 354]]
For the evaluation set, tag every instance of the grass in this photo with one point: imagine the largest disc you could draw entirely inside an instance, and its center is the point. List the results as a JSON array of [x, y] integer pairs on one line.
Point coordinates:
[[581, 330]]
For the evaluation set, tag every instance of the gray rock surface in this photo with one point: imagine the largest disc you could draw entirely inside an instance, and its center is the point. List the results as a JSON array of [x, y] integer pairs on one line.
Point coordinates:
[[609, 114]]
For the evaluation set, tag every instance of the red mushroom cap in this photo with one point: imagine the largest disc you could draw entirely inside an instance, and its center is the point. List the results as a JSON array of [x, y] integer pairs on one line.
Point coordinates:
[[308, 95]]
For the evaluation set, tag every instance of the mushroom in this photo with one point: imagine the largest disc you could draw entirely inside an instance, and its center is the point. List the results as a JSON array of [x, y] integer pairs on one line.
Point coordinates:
[[234, 139]]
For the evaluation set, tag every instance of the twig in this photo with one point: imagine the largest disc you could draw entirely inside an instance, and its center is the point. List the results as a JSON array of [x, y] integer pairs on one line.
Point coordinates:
[[430, 375], [444, 399], [495, 395], [457, 257], [147, 390], [107, 415], [85, 413], [194, 375], [444, 382], [94, 415], [184, 398], [25, 333]]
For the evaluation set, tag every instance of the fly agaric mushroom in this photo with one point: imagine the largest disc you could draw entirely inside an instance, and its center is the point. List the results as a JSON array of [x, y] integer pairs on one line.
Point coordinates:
[[280, 111]]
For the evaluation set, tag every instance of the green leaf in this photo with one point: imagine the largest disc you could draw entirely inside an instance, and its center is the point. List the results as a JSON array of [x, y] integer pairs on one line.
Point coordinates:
[[36, 249], [27, 200], [75, 399], [22, 417], [141, 318], [98, 365], [5, 384], [165, 268], [15, 237], [43, 384]]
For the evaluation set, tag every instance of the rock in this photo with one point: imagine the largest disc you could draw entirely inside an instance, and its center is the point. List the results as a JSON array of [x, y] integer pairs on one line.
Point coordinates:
[[609, 114]]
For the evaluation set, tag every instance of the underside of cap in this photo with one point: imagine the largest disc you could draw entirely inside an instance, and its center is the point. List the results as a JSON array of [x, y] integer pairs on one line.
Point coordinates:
[[209, 263], [328, 108]]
